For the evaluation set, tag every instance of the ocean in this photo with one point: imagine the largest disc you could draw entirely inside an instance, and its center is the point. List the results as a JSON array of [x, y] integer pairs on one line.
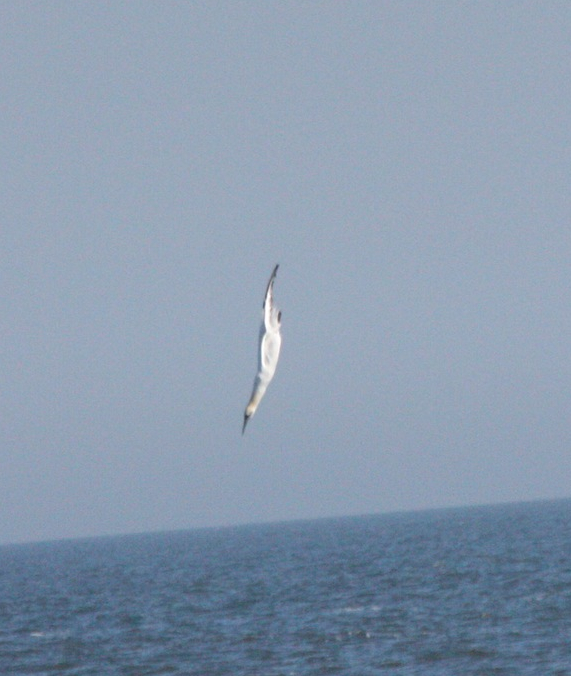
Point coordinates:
[[482, 590]]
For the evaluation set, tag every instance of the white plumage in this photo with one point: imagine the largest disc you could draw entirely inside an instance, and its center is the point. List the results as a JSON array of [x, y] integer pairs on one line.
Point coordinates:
[[268, 352]]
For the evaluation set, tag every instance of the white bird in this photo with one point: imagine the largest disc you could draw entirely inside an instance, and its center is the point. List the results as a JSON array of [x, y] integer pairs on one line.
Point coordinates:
[[268, 352]]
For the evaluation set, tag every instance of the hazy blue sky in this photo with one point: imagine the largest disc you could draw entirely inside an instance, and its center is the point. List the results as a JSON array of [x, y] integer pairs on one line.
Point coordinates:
[[408, 164]]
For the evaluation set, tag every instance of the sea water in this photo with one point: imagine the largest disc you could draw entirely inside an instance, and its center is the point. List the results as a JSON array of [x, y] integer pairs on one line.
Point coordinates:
[[482, 591]]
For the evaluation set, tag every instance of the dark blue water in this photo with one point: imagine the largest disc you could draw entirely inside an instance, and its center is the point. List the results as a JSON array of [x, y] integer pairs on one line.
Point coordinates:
[[470, 591]]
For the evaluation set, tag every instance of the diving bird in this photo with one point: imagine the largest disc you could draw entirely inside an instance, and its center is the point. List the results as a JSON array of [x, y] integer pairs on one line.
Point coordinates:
[[268, 351]]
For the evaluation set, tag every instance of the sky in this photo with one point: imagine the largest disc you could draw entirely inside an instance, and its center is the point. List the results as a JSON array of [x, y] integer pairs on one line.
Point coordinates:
[[407, 165]]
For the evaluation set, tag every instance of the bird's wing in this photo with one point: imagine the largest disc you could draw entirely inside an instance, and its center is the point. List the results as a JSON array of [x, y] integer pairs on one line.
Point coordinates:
[[269, 299], [270, 345]]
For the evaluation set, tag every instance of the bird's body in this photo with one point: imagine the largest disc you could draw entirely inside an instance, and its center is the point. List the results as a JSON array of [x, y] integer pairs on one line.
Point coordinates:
[[268, 352]]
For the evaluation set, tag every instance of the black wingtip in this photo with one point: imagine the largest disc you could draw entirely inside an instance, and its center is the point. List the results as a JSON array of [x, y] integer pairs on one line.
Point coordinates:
[[272, 276]]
